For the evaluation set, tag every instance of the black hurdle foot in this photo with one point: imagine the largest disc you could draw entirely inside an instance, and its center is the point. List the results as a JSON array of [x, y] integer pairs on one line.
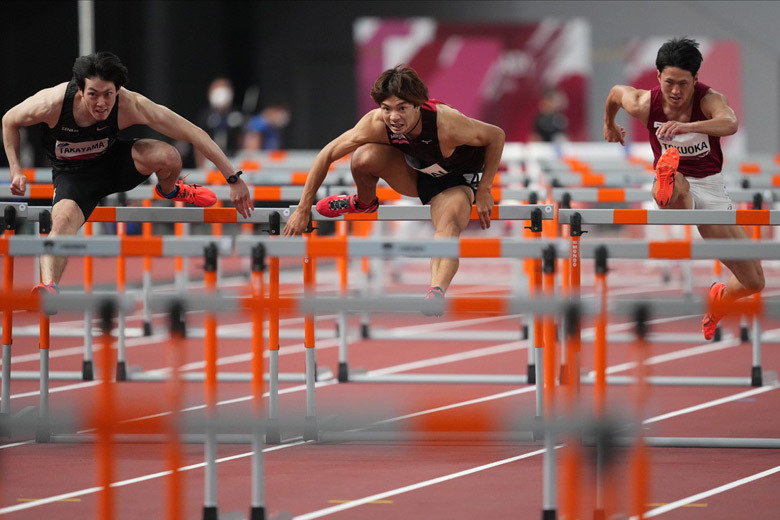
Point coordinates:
[[87, 371]]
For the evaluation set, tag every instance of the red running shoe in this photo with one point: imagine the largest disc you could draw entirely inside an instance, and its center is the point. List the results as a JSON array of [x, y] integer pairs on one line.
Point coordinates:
[[50, 288], [194, 194], [664, 176], [435, 294], [710, 321], [337, 205]]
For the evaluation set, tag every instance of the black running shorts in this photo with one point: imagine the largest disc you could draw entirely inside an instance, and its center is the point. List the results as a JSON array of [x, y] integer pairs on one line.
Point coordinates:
[[110, 173], [428, 186]]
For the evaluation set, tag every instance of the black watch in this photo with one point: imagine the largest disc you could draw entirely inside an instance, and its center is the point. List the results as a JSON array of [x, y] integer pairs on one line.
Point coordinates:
[[234, 178]]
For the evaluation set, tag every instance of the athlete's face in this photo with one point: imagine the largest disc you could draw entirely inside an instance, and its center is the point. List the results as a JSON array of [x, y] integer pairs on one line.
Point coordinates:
[[99, 97], [399, 115], [676, 86]]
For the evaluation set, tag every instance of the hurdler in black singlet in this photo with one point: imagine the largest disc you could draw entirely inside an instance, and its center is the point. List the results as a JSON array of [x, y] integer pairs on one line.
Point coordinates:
[[68, 145], [423, 152]]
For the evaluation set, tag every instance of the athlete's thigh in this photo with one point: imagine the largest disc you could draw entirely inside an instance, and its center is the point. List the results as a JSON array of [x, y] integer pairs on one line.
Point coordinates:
[[386, 162], [151, 155], [452, 205]]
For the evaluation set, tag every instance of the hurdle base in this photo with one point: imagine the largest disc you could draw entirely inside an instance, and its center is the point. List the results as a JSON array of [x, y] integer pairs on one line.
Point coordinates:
[[310, 430], [5, 425], [744, 334], [364, 331], [87, 371], [539, 428], [147, 328], [210, 513], [257, 513], [756, 378], [42, 432], [121, 371], [531, 374], [343, 373], [549, 514], [272, 433], [717, 335]]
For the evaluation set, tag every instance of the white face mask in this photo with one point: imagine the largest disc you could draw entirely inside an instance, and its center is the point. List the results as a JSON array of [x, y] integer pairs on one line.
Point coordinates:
[[221, 97]]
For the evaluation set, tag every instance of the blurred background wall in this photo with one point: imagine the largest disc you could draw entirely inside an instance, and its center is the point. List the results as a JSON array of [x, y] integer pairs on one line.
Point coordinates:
[[302, 52]]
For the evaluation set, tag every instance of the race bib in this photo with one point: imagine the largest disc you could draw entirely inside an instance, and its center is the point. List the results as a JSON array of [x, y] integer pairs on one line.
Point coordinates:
[[80, 151], [689, 145]]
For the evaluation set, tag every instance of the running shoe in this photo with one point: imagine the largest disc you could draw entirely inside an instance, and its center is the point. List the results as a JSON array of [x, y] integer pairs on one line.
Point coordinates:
[[337, 205], [434, 294], [710, 321], [194, 194], [664, 176], [49, 288]]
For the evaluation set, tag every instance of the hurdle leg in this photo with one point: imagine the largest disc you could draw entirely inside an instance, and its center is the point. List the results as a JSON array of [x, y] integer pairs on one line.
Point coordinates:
[[87, 367], [121, 360], [756, 378], [210, 510], [272, 433], [343, 264], [550, 499], [105, 420], [257, 507], [600, 386], [310, 432], [8, 317], [42, 431], [5, 401]]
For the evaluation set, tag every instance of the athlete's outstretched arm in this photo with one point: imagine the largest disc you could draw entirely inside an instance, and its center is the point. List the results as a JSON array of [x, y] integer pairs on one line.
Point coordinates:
[[634, 101], [457, 129], [370, 129], [721, 119], [42, 107], [135, 109]]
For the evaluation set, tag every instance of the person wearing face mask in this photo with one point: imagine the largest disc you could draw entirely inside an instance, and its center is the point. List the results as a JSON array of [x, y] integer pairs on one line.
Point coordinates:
[[220, 120], [685, 120], [80, 120], [422, 148]]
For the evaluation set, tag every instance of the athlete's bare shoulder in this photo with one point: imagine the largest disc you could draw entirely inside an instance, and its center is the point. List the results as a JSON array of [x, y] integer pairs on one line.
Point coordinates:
[[42, 107]]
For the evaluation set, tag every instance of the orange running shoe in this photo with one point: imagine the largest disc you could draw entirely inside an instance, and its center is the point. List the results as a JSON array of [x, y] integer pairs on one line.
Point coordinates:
[[194, 194], [337, 205], [664, 176], [46, 288], [434, 294], [710, 321]]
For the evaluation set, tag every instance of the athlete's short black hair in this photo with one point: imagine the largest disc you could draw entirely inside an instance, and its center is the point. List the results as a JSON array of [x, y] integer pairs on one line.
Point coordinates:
[[682, 53], [401, 81], [104, 65]]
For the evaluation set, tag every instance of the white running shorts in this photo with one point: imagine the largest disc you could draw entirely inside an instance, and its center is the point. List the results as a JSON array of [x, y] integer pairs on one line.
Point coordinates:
[[710, 192]]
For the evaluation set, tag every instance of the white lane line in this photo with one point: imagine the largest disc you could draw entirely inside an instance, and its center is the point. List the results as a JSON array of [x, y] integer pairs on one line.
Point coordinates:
[[715, 402], [711, 492], [452, 358], [136, 480], [411, 487]]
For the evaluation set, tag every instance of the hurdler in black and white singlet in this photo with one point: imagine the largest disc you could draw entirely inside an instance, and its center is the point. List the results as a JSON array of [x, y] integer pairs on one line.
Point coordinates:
[[68, 145], [423, 152]]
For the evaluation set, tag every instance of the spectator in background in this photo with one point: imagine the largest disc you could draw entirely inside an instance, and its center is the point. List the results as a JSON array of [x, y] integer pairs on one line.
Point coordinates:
[[551, 123], [220, 120], [263, 132]]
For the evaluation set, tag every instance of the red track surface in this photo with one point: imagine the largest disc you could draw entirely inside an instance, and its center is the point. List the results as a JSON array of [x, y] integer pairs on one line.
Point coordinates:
[[439, 477]]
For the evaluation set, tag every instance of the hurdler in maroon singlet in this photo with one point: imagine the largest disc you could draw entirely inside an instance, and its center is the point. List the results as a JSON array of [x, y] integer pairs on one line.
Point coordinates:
[[700, 154], [423, 152]]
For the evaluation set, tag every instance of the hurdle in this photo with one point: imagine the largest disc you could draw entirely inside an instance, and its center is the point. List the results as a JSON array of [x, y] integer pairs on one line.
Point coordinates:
[[106, 421], [706, 249]]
